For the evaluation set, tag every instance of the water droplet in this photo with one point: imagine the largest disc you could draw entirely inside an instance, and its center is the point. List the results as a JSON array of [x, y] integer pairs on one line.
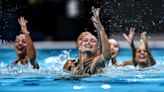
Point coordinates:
[[118, 4], [153, 23]]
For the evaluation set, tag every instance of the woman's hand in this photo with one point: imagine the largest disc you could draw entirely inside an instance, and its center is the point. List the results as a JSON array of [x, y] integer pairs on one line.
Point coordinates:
[[96, 12], [130, 37], [143, 36], [95, 18], [22, 22]]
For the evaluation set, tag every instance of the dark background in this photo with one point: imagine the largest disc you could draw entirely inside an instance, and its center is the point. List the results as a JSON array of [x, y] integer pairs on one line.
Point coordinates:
[[48, 20]]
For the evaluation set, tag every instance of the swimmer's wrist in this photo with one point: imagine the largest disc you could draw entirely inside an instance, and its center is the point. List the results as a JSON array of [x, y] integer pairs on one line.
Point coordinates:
[[27, 33]]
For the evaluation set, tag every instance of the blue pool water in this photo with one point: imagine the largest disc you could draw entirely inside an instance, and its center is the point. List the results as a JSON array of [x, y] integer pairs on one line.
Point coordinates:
[[114, 79]]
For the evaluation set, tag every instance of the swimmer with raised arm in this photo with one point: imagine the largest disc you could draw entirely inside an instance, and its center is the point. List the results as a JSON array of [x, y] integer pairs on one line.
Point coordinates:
[[114, 46], [73, 63], [89, 62], [24, 47], [141, 56]]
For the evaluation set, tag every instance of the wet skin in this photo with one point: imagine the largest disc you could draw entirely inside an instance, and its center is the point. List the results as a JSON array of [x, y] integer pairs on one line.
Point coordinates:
[[114, 47], [20, 44]]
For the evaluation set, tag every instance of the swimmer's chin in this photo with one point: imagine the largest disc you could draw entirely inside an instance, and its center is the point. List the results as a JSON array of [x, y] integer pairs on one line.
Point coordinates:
[[19, 52], [89, 52]]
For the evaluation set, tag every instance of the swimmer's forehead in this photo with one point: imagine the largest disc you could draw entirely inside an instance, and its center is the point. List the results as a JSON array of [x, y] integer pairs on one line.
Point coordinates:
[[20, 36], [83, 34], [113, 41], [141, 47], [90, 36]]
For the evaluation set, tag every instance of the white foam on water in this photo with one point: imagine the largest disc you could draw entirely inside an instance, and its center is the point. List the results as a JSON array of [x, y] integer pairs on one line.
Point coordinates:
[[78, 87], [52, 66], [106, 86]]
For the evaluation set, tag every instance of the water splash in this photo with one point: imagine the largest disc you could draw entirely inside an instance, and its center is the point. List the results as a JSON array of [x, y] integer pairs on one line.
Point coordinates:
[[8, 18], [52, 67], [134, 71], [145, 15]]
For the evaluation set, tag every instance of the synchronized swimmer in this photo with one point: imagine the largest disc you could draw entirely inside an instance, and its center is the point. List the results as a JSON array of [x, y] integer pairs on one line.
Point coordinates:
[[24, 47], [94, 53]]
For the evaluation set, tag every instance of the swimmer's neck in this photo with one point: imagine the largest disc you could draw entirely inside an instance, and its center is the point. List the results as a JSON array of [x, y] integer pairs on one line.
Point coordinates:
[[143, 64], [21, 56]]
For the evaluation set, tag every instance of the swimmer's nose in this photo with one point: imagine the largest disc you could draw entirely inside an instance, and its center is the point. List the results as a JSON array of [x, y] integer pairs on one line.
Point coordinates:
[[20, 42], [142, 52], [112, 48], [88, 42]]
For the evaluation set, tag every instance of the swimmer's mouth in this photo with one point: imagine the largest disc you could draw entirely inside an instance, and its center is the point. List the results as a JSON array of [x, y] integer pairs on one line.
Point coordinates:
[[142, 56], [113, 53], [20, 48], [88, 46]]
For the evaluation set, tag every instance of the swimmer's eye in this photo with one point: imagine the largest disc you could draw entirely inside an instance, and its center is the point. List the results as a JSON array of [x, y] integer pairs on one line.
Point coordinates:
[[85, 40], [116, 46], [145, 51], [139, 51], [17, 41], [93, 40], [24, 41]]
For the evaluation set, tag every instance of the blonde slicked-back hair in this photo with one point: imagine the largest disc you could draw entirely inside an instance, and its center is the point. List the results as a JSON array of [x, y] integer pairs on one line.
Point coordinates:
[[82, 35]]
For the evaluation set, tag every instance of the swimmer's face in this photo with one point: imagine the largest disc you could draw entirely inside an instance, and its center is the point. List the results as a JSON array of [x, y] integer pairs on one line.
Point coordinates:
[[141, 54], [88, 43], [79, 40], [20, 44], [114, 47]]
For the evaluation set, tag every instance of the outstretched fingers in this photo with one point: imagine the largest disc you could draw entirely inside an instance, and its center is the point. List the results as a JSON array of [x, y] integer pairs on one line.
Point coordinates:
[[96, 12], [22, 21], [132, 31], [130, 36]]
